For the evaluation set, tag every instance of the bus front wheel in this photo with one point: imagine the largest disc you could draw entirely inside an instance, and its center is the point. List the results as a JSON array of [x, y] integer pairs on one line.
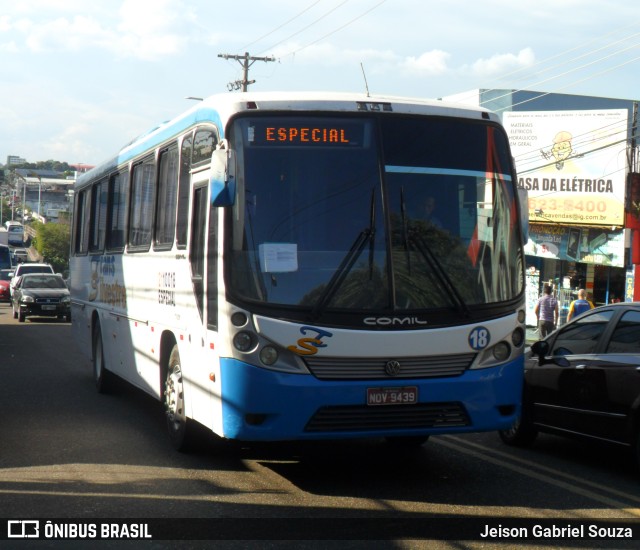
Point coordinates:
[[179, 426]]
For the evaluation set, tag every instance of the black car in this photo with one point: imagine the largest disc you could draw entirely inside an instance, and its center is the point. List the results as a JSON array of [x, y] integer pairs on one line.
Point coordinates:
[[583, 380], [41, 295]]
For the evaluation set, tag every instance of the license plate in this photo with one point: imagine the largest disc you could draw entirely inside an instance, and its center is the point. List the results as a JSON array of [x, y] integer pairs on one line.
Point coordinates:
[[407, 395], [48, 308]]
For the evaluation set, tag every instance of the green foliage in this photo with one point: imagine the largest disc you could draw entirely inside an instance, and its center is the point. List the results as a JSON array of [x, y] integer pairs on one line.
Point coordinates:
[[46, 165], [52, 242]]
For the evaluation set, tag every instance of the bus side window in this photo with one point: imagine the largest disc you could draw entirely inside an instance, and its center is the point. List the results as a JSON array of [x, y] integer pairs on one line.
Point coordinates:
[[142, 201], [98, 216], [196, 252], [117, 205], [165, 226], [82, 222], [183, 192], [204, 144]]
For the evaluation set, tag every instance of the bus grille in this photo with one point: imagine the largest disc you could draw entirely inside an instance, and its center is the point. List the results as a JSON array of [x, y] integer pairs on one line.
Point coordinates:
[[363, 418], [352, 368]]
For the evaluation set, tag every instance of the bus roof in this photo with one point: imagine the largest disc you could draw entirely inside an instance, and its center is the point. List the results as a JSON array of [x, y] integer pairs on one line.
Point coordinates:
[[219, 108]]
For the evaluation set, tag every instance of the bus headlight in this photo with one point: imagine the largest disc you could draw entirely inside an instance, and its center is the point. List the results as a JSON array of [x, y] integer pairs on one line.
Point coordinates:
[[268, 355], [244, 341], [501, 351]]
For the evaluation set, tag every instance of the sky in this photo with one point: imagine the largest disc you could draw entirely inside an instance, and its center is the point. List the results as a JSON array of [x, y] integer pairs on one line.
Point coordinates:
[[80, 79]]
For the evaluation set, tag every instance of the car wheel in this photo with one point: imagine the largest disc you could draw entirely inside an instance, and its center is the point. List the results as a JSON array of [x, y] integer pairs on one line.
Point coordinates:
[[179, 426], [101, 375], [521, 434], [21, 317]]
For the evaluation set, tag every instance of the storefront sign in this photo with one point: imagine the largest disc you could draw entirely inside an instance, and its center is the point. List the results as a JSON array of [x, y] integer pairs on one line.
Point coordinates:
[[629, 285], [578, 244], [572, 163]]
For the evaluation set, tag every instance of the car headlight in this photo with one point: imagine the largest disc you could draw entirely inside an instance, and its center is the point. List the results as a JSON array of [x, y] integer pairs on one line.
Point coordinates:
[[27, 300], [66, 300]]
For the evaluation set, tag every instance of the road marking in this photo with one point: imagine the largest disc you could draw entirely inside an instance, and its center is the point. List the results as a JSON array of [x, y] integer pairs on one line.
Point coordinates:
[[569, 485]]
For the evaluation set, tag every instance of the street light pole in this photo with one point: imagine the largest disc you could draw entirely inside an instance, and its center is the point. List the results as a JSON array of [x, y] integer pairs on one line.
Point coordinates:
[[39, 193]]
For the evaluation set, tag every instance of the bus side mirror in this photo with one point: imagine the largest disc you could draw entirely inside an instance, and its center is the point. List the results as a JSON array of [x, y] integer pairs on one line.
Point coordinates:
[[223, 175], [523, 199]]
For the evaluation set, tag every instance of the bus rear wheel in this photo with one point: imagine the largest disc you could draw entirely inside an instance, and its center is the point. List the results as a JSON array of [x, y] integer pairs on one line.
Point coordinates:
[[179, 426]]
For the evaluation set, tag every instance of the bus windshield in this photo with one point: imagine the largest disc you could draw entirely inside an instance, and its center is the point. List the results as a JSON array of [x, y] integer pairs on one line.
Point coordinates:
[[374, 213]]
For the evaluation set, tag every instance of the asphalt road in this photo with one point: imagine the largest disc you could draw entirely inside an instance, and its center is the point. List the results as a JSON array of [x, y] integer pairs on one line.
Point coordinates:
[[68, 452]]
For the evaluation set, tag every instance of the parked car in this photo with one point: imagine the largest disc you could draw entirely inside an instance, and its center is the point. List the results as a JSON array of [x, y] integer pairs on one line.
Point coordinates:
[[5, 278], [22, 269], [583, 380], [41, 295]]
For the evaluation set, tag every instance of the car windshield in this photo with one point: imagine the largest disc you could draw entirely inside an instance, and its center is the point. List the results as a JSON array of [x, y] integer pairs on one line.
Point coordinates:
[[582, 336], [37, 281], [362, 214]]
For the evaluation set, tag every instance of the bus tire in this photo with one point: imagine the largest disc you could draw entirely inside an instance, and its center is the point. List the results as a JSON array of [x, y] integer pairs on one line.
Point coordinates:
[[179, 426], [521, 434], [101, 375]]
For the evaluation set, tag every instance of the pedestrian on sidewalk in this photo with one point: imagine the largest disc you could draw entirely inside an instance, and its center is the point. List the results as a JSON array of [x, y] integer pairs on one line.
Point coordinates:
[[546, 311], [580, 305]]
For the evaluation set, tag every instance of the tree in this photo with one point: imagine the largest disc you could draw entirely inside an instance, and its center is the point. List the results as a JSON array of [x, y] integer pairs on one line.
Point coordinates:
[[52, 242]]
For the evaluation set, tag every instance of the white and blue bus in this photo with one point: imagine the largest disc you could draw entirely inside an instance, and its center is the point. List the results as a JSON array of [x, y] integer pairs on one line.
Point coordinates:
[[270, 266]]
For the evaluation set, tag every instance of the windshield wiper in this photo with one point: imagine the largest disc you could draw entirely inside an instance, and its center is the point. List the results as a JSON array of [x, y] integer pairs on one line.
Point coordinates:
[[367, 235], [411, 235], [414, 237]]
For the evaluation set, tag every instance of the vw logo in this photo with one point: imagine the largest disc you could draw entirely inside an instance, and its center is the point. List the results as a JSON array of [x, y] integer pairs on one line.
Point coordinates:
[[392, 368]]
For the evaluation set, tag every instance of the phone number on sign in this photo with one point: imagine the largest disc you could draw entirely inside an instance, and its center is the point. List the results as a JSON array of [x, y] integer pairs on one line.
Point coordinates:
[[568, 205]]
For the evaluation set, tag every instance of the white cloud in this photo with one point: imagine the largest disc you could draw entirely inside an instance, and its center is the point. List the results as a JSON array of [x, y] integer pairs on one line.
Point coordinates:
[[428, 63], [150, 33], [136, 31], [503, 63]]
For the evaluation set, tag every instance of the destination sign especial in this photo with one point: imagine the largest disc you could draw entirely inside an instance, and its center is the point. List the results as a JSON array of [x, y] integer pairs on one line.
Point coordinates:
[[295, 134]]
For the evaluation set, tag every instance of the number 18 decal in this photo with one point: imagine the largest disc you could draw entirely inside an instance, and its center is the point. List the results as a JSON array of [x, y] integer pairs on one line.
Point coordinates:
[[479, 338]]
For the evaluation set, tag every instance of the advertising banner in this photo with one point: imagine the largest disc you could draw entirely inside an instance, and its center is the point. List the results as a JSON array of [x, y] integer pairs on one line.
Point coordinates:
[[589, 245], [573, 164]]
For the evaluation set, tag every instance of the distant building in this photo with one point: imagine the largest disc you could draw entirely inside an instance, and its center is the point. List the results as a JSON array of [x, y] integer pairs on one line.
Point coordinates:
[[13, 160]]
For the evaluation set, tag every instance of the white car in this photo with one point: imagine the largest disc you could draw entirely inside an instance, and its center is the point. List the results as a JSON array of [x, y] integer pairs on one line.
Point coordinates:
[[21, 269]]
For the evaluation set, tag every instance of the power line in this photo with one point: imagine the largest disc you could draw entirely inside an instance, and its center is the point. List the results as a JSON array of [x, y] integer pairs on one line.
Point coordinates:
[[308, 26], [281, 25]]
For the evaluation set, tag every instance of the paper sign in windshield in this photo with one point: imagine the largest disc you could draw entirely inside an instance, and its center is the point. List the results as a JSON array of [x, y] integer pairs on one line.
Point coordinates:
[[278, 257]]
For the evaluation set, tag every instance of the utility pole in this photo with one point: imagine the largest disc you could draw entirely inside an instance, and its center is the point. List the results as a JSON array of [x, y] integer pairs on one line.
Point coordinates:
[[246, 61]]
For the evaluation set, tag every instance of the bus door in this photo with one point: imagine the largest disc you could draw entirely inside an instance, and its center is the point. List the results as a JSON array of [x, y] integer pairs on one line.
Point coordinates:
[[205, 357]]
